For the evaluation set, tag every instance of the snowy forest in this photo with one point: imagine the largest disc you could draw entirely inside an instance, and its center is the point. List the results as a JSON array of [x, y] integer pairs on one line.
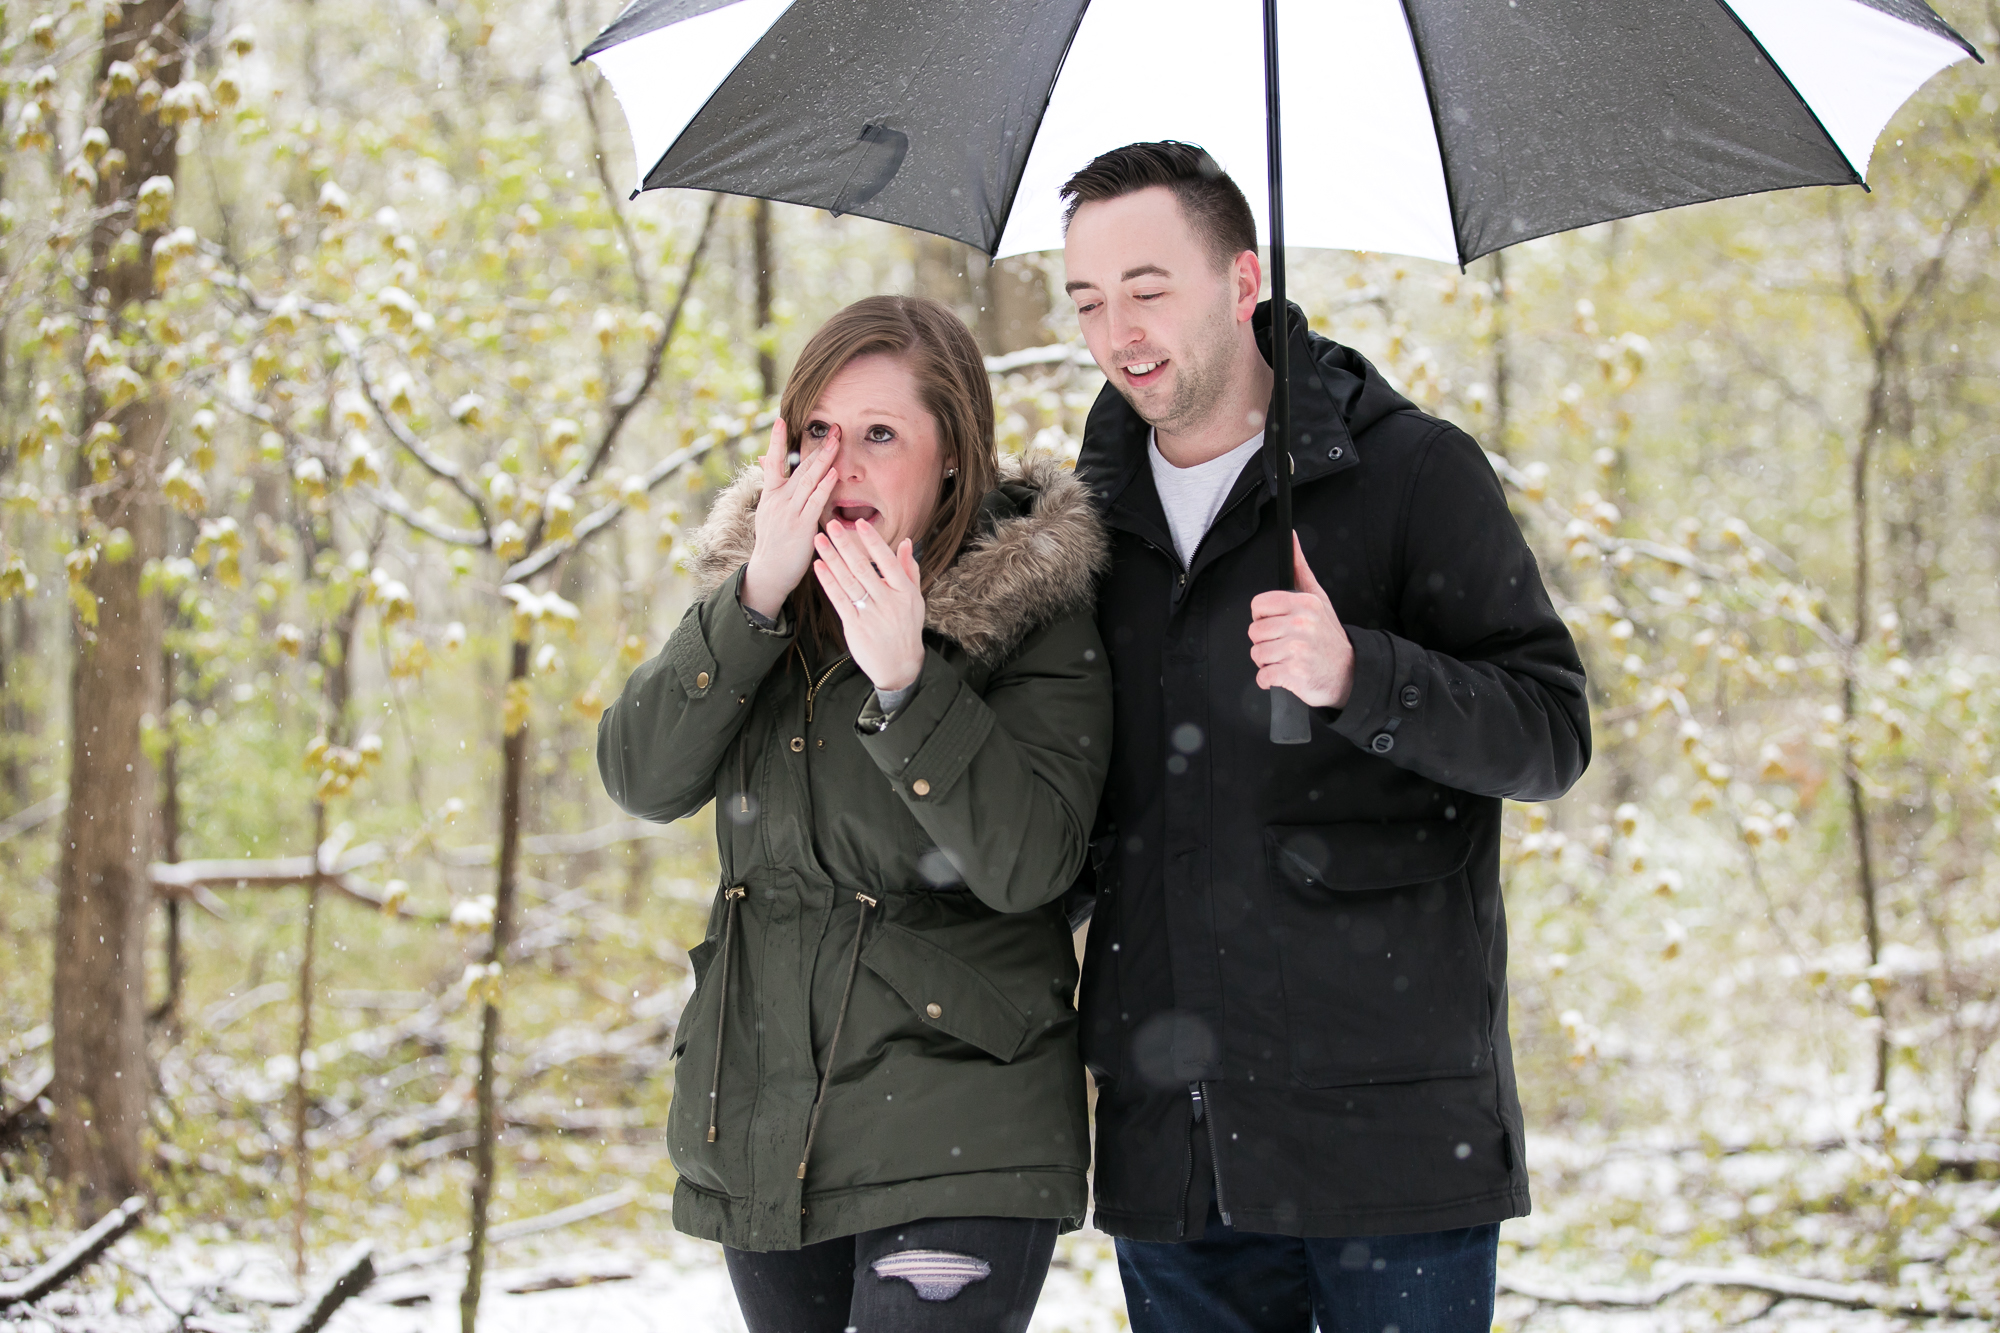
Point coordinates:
[[352, 430]]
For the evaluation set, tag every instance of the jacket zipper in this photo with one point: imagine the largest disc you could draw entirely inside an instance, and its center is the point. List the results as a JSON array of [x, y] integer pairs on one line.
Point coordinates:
[[813, 686], [1199, 1091]]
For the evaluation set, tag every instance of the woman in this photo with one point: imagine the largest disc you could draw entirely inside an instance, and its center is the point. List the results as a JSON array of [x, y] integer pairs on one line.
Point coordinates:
[[894, 692]]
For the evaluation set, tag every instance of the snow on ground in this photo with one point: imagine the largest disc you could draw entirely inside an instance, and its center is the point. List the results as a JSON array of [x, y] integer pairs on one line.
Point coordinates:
[[678, 1285]]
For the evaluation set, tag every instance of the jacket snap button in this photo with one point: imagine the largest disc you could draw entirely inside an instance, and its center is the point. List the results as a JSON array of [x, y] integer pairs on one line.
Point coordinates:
[[1411, 696], [1334, 453], [798, 744], [934, 1010], [1383, 743], [921, 787], [701, 680]]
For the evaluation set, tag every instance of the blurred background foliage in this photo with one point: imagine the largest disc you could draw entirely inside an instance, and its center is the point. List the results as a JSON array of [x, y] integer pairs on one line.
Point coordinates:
[[442, 407]]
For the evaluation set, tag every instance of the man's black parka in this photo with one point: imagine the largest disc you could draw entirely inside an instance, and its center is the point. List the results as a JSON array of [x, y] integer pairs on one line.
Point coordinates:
[[1308, 942]]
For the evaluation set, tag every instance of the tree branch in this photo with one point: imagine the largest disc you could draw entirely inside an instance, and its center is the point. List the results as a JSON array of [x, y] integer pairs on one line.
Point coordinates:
[[390, 502], [350, 1278], [602, 518], [1847, 1296], [528, 1226], [73, 1258], [437, 466], [624, 404]]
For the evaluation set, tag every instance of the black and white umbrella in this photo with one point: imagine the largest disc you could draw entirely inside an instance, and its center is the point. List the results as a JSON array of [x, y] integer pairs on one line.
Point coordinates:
[[1439, 128]]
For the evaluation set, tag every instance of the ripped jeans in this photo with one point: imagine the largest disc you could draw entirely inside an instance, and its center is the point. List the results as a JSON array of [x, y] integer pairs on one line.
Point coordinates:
[[963, 1274]]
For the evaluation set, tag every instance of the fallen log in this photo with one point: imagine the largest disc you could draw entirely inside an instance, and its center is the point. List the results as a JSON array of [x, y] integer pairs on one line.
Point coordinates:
[[350, 1277], [74, 1257], [527, 1226], [1780, 1287]]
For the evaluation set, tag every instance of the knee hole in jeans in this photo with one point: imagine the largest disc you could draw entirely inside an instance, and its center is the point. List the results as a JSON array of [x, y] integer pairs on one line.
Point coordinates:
[[937, 1275]]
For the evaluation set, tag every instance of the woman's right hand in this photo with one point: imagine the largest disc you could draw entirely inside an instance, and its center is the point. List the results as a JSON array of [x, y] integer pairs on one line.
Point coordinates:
[[788, 514]]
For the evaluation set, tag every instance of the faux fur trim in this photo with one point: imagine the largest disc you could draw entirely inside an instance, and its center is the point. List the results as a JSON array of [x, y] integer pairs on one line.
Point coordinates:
[[1012, 578]]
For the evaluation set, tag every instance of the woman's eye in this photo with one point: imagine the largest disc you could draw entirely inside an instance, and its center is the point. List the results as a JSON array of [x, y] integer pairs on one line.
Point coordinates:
[[817, 430], [880, 435]]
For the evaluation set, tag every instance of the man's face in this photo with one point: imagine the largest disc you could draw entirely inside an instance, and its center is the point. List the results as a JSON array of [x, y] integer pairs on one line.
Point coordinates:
[[1161, 318]]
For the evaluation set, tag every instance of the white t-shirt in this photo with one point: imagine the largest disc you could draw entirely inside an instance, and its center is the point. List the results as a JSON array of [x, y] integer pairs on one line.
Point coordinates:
[[1193, 496]]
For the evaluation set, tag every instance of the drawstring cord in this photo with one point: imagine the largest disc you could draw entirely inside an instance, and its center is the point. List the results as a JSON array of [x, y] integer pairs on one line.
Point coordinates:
[[732, 895], [840, 1017]]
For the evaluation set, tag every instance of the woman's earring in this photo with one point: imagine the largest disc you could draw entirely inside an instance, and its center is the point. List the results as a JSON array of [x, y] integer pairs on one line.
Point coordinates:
[[951, 472]]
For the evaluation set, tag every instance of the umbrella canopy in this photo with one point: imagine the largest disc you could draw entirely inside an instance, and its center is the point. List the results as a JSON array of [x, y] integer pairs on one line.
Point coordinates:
[[1435, 128]]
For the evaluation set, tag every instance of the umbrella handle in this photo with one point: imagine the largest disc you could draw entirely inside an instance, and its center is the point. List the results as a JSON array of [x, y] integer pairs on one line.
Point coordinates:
[[1291, 720]]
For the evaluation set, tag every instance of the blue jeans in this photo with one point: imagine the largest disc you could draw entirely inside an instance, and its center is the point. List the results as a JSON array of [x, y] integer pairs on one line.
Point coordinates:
[[1233, 1281]]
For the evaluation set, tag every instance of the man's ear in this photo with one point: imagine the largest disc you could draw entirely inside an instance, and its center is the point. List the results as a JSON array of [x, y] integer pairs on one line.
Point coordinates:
[[1248, 277]]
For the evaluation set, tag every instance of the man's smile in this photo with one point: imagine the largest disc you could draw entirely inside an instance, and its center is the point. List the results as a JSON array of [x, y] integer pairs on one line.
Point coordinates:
[[1141, 373]]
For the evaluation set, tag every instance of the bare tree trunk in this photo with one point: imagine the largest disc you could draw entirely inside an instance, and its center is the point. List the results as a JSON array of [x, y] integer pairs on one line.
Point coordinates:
[[169, 1009], [513, 764], [301, 1159], [14, 718], [1857, 801], [760, 255], [334, 651], [99, 1080]]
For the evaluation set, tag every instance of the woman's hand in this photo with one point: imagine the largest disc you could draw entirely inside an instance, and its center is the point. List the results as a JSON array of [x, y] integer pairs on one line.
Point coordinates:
[[878, 595], [787, 517]]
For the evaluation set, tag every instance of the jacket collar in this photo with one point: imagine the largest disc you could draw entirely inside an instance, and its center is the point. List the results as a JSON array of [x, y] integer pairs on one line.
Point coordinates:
[[1034, 558], [1324, 387]]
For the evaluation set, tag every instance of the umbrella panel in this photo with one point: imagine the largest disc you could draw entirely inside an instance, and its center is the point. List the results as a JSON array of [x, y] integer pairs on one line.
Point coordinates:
[[917, 112]]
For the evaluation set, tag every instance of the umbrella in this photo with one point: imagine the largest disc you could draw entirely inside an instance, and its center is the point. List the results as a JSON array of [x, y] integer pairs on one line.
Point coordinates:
[[1444, 129]]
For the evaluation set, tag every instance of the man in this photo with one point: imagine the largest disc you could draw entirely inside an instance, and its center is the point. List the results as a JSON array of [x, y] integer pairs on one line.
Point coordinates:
[[1294, 994]]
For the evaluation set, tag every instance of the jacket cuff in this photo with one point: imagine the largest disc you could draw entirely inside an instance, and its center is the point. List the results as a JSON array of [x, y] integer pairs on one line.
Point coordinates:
[[936, 735], [882, 707], [731, 655], [1371, 717]]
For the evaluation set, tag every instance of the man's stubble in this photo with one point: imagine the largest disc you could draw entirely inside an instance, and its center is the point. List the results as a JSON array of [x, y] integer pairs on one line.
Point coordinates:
[[1201, 381]]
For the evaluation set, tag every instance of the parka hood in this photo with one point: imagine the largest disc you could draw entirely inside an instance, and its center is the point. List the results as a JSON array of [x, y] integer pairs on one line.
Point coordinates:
[[1034, 556]]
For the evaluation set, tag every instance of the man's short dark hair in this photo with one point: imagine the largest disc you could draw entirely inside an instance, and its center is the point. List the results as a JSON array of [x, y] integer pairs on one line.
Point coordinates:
[[1209, 199]]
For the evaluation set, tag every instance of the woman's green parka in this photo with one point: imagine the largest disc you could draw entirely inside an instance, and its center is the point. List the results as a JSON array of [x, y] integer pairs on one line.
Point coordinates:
[[916, 868]]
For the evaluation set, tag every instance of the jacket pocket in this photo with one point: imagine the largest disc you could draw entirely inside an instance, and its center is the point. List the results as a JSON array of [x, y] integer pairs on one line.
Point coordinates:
[[1384, 977], [700, 958], [946, 992]]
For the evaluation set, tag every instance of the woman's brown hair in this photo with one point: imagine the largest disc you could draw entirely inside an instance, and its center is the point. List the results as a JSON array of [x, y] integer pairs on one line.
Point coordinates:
[[952, 385]]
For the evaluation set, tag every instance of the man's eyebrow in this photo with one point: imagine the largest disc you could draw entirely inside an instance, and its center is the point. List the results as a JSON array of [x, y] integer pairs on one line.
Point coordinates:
[[1143, 271]]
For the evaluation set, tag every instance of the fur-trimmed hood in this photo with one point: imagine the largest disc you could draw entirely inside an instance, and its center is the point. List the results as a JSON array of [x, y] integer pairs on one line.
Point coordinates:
[[1033, 557]]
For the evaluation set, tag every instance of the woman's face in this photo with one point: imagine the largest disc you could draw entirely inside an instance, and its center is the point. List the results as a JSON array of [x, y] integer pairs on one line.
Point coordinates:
[[890, 465]]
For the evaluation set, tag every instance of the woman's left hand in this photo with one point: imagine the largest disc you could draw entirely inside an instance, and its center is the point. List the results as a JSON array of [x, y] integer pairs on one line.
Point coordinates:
[[878, 595]]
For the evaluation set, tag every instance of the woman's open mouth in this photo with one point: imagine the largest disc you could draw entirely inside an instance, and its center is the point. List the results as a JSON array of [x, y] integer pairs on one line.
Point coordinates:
[[1141, 373], [855, 513]]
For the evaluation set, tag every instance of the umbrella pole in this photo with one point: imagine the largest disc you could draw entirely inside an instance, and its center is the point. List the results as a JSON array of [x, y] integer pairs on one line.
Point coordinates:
[[1291, 721]]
